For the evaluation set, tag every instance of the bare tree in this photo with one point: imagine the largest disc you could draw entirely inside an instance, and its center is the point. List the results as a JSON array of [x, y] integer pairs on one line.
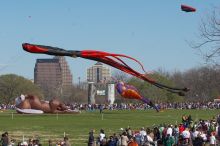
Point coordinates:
[[209, 36], [203, 82], [77, 95]]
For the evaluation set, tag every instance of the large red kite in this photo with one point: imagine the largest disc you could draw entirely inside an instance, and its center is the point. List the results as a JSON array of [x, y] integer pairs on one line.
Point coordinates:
[[111, 59]]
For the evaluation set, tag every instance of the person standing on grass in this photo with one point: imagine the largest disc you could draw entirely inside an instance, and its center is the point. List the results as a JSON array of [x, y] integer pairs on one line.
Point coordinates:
[[101, 108], [132, 142], [212, 139], [176, 134], [50, 142], [30, 142], [5, 139], [102, 137], [91, 141], [124, 139], [2, 140], [66, 141], [112, 141], [169, 140], [143, 135]]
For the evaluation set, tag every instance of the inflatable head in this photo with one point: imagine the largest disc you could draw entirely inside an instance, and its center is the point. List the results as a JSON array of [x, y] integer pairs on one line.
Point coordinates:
[[19, 99]]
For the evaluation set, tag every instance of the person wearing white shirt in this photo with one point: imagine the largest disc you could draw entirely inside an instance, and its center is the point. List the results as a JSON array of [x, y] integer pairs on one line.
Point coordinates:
[[186, 135], [101, 135], [203, 136], [169, 130], [143, 134], [195, 134], [212, 140]]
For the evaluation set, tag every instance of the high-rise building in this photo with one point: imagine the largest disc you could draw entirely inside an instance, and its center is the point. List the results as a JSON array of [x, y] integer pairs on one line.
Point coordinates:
[[98, 73], [52, 73], [67, 79]]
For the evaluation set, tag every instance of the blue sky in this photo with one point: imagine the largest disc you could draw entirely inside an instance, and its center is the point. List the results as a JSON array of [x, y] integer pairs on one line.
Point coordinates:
[[152, 31]]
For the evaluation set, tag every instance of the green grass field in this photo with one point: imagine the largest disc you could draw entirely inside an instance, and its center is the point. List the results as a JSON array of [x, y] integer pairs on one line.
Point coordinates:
[[77, 126]]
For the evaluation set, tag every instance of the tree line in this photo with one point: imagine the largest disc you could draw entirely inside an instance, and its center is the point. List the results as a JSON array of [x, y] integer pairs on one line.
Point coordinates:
[[203, 82]]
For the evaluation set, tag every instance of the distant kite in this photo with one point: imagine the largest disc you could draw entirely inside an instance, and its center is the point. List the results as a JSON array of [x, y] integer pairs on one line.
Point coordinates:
[[130, 92], [114, 60], [187, 8]]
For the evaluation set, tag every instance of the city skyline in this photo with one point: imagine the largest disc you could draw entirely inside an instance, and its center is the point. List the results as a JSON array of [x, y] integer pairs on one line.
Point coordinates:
[[154, 32]]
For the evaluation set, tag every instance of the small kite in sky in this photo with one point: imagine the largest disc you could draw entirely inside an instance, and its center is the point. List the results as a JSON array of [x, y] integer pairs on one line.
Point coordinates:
[[130, 92], [187, 8], [114, 60]]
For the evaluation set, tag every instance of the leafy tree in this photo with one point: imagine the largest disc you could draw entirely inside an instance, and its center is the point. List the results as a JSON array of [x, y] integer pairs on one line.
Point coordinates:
[[12, 85]]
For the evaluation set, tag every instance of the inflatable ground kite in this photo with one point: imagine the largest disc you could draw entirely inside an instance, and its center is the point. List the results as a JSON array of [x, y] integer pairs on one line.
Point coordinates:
[[30, 104]]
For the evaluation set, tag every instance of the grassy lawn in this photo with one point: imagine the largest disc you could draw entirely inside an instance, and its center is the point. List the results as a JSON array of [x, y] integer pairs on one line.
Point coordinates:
[[77, 126]]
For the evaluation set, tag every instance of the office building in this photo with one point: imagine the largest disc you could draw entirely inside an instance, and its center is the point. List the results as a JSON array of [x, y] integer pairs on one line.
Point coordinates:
[[53, 74], [98, 73]]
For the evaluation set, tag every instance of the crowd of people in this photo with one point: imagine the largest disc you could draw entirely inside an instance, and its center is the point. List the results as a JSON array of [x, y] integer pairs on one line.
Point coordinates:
[[7, 141], [141, 106], [186, 133], [138, 106]]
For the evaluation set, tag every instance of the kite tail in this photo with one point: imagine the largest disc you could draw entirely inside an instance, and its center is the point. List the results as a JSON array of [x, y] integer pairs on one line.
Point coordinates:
[[179, 91], [121, 65], [150, 103], [118, 63]]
